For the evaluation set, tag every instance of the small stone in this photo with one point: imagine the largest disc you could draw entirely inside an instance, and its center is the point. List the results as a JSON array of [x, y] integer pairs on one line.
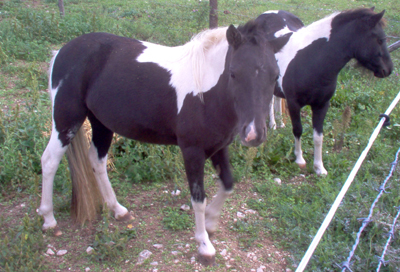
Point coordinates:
[[144, 255], [185, 207], [176, 261], [61, 252], [223, 252], [111, 243], [51, 246], [89, 250], [158, 246], [255, 258], [192, 260], [175, 253], [87, 269], [240, 215], [250, 211], [278, 180], [187, 246], [176, 193], [302, 175], [154, 263], [50, 252], [23, 205]]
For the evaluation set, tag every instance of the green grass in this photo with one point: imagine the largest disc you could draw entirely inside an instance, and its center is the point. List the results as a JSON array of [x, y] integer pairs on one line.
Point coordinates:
[[291, 213]]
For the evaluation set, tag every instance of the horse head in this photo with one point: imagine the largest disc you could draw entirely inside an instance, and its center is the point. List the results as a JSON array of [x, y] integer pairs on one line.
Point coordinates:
[[369, 41], [253, 72]]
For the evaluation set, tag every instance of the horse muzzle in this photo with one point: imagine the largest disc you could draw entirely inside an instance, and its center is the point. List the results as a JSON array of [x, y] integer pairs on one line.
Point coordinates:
[[252, 136]]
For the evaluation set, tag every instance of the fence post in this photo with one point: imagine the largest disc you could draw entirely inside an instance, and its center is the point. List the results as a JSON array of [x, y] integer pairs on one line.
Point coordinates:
[[213, 14]]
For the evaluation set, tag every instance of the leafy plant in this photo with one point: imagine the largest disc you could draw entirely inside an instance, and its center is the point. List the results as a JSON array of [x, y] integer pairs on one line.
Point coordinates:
[[175, 219]]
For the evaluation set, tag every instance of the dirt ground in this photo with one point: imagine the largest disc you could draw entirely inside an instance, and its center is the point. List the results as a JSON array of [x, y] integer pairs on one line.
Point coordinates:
[[171, 250]]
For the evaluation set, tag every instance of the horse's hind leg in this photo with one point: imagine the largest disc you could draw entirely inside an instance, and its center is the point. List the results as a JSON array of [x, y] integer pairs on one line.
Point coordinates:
[[220, 162], [50, 160], [101, 142]]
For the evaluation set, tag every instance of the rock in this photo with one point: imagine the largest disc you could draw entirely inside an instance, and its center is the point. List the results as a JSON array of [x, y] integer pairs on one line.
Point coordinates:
[[154, 263], [175, 253], [61, 252], [158, 246], [144, 255], [192, 260], [223, 252], [50, 252], [250, 211], [111, 243], [278, 180], [176, 261], [240, 215], [51, 246], [185, 207], [89, 250], [87, 269], [176, 193]]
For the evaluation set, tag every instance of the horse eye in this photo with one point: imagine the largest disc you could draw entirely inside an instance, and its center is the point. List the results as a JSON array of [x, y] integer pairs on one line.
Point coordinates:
[[233, 75]]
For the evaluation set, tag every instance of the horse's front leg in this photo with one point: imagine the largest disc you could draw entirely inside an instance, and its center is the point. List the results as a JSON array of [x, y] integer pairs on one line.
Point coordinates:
[[194, 159], [318, 116], [220, 162], [294, 111]]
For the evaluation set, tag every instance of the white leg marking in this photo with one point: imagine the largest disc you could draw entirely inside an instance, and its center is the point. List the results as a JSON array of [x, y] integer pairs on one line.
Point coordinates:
[[318, 164], [213, 211], [50, 160], [299, 153], [106, 190], [201, 235], [272, 123]]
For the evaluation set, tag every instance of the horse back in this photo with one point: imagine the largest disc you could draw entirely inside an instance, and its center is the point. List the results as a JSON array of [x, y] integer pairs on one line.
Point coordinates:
[[98, 73]]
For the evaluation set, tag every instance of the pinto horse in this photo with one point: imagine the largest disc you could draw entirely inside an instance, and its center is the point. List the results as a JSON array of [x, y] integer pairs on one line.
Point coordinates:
[[312, 59], [198, 96]]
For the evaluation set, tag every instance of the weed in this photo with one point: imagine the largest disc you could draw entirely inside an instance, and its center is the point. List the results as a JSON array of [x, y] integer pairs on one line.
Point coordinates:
[[175, 219]]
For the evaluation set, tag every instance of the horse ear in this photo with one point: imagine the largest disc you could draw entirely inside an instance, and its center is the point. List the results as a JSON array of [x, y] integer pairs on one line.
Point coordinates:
[[234, 37], [375, 19], [280, 42], [372, 8]]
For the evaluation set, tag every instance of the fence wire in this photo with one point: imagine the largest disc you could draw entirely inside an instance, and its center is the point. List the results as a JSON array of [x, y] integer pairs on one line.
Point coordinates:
[[339, 198], [382, 189], [391, 235]]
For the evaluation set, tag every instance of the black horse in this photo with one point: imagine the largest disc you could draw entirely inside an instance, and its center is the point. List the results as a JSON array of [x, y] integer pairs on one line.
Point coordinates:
[[197, 96], [312, 59]]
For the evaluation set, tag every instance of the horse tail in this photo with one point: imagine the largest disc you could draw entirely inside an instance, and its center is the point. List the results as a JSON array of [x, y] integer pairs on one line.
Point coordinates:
[[86, 198]]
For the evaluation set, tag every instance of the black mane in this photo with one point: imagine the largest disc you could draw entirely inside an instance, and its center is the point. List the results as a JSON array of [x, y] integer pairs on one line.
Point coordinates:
[[252, 31], [353, 14]]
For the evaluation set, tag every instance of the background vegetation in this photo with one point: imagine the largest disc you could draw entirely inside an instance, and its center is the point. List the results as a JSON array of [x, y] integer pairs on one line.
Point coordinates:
[[290, 213]]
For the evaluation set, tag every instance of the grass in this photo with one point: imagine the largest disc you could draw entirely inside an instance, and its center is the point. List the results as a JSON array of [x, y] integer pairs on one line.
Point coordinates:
[[290, 214]]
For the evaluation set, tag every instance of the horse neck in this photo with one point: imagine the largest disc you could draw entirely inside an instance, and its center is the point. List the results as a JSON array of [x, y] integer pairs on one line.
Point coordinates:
[[336, 52]]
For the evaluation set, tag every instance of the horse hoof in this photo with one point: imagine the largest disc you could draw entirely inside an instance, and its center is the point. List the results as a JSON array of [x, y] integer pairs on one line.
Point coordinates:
[[207, 260], [56, 231], [125, 217], [302, 165]]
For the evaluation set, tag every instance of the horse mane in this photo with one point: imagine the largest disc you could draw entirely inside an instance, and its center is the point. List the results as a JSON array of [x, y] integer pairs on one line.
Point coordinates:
[[252, 32], [198, 48], [347, 16]]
